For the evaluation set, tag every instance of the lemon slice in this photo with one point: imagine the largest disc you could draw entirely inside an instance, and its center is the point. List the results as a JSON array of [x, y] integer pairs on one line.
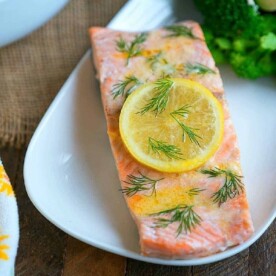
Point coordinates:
[[172, 125]]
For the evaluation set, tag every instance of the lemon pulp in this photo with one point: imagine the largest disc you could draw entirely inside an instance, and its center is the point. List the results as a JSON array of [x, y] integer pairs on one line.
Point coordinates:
[[204, 118]]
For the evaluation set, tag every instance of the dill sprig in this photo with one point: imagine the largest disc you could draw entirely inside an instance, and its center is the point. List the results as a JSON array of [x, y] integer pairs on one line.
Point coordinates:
[[232, 185], [154, 59], [184, 214], [198, 68], [171, 151], [140, 183], [189, 131], [194, 191], [133, 48], [166, 69], [180, 30], [125, 87], [159, 101], [182, 111]]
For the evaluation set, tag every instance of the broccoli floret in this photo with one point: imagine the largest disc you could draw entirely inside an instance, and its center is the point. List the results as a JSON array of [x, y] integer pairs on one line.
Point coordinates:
[[238, 34], [223, 43], [230, 17], [216, 46], [268, 23], [243, 45], [254, 66], [268, 42], [219, 56], [260, 61]]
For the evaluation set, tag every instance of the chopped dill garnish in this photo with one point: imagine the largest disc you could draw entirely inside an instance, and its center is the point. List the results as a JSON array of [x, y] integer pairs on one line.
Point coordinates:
[[232, 185], [159, 101], [125, 87], [182, 111], [160, 147], [180, 30], [140, 183], [189, 131], [184, 214], [157, 58], [198, 68], [194, 191], [133, 48], [166, 69]]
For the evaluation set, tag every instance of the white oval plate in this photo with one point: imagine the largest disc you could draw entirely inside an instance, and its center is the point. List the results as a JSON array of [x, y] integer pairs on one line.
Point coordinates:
[[71, 178], [18, 18]]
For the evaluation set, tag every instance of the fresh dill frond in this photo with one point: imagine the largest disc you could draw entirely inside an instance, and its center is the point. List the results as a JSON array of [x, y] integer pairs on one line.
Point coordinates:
[[133, 48], [160, 147], [189, 131], [184, 214], [121, 45], [154, 59], [140, 183], [198, 68], [194, 191], [232, 185], [125, 87], [158, 62], [182, 111], [159, 101], [180, 30], [140, 38]]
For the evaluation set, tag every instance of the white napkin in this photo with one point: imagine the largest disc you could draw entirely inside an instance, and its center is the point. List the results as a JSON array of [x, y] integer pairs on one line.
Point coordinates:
[[9, 226]]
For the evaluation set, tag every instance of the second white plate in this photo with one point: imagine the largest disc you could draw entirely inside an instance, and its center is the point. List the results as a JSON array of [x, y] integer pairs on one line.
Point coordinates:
[[18, 18]]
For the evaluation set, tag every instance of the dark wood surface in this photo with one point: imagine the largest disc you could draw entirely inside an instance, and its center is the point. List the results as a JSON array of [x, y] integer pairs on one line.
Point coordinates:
[[46, 250]]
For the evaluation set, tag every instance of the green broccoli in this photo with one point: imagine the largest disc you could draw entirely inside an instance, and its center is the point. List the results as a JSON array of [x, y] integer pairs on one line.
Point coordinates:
[[237, 33], [252, 61], [230, 17]]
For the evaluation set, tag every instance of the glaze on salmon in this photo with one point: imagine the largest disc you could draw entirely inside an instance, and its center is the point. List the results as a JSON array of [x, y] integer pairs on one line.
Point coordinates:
[[223, 224]]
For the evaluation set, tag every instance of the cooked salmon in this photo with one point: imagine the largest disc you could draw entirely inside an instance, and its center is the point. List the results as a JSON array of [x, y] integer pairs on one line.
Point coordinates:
[[221, 217]]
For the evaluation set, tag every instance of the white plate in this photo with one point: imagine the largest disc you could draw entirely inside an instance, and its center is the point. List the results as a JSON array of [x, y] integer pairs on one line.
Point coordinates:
[[71, 178], [20, 17]]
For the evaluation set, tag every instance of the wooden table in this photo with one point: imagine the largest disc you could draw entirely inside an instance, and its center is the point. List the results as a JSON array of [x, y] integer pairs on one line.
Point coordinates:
[[46, 250]]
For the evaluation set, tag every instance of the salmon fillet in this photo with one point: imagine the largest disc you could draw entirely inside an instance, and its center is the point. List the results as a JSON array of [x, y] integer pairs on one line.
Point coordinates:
[[222, 224]]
